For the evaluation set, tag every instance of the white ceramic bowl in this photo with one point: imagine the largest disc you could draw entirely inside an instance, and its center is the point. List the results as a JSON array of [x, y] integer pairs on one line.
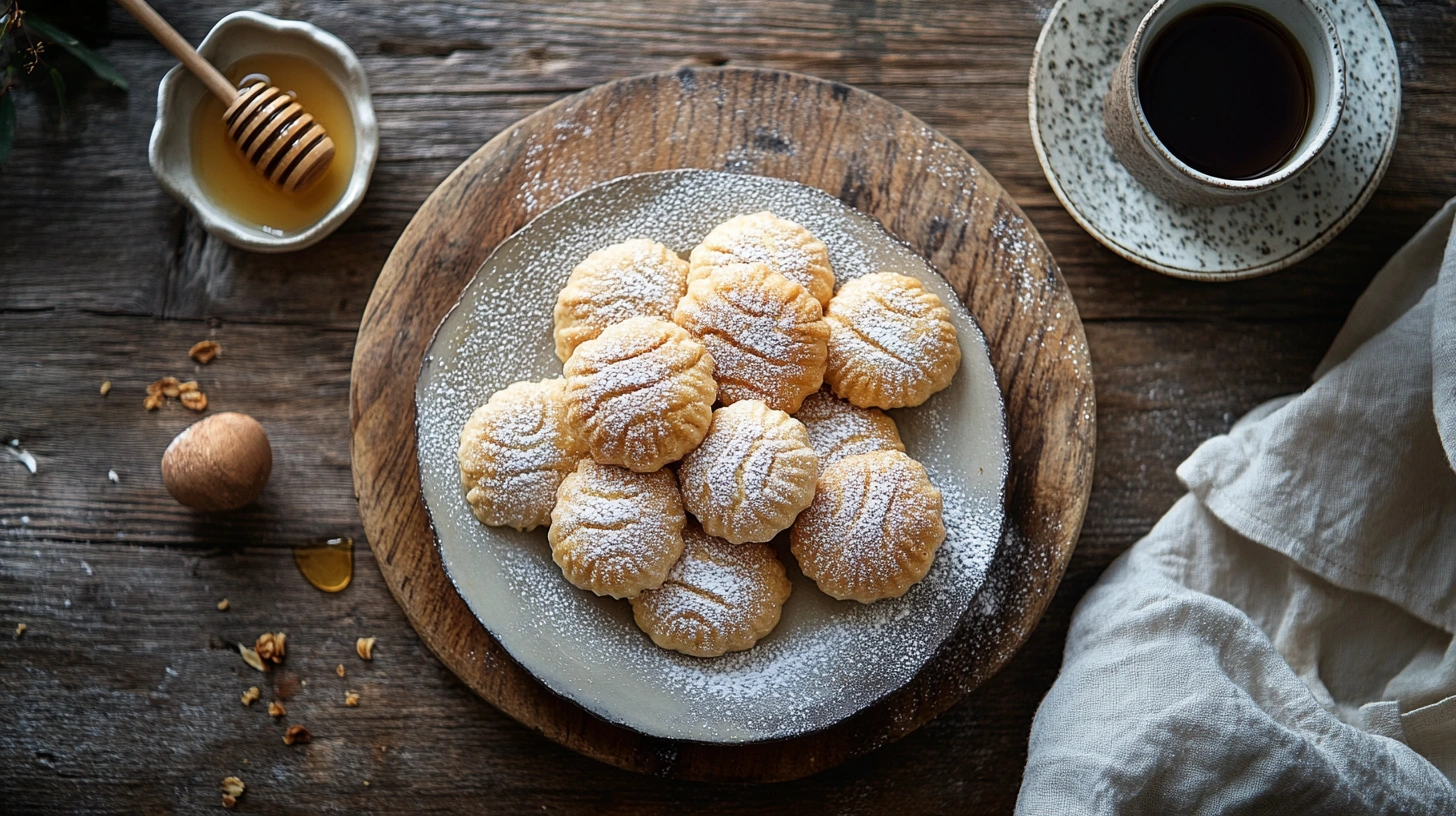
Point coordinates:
[[235, 36]]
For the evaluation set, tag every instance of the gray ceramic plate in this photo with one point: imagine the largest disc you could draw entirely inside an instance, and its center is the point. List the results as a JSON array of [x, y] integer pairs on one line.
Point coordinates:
[[1070, 72], [827, 659]]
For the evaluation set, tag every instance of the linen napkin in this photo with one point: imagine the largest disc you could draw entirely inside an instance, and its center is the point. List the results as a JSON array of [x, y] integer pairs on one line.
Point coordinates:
[[1281, 641]]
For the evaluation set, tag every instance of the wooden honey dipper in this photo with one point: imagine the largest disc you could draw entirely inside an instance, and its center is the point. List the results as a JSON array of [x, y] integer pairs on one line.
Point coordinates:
[[277, 136]]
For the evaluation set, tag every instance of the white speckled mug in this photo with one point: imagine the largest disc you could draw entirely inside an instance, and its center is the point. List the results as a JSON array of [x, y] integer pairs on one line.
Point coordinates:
[[1145, 156]]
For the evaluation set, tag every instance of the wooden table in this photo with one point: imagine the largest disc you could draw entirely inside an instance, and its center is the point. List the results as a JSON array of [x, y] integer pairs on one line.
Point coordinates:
[[122, 695]]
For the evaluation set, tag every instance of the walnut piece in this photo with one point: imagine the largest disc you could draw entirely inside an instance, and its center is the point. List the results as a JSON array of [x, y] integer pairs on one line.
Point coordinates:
[[190, 385], [205, 352], [196, 400], [365, 647], [270, 646], [152, 402], [233, 786], [222, 605], [171, 388], [351, 699], [105, 387], [229, 801], [340, 670], [276, 709], [252, 659], [251, 695], [296, 733]]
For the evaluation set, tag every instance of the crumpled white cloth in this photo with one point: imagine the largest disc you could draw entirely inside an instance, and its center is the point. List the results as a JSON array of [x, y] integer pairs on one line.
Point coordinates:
[[1281, 641]]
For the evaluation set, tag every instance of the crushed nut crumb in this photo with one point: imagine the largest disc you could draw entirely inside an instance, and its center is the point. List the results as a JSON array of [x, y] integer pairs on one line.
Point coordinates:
[[296, 733], [20, 630], [270, 646], [196, 400], [276, 709], [365, 647], [105, 387], [152, 402], [252, 659], [190, 385], [340, 670], [251, 695], [351, 699], [222, 605], [205, 351], [233, 785]]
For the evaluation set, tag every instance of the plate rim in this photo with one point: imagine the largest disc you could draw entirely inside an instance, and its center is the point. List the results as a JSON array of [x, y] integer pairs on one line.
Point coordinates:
[[1003, 438], [1319, 242]]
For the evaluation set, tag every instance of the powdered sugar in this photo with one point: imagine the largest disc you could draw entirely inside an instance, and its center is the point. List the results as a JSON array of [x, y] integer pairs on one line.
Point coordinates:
[[587, 648]]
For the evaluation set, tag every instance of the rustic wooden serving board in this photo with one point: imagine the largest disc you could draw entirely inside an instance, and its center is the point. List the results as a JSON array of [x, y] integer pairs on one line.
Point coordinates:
[[875, 157]]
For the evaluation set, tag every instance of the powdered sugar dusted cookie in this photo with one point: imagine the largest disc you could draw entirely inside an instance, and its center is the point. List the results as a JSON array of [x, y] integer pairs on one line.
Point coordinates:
[[753, 473], [891, 342], [766, 333], [838, 429], [514, 452], [635, 278], [718, 598], [873, 528], [784, 246], [614, 531], [641, 394]]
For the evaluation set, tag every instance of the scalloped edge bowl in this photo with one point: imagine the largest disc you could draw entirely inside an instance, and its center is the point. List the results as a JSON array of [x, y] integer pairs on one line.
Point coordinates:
[[238, 35]]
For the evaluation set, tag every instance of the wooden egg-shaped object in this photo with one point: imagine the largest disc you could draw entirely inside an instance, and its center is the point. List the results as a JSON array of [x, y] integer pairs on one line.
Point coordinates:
[[278, 137], [221, 462]]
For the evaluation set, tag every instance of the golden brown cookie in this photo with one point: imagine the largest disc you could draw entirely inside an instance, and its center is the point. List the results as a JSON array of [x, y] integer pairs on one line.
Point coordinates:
[[641, 394], [614, 531], [632, 279], [719, 597], [752, 475], [514, 452], [763, 237], [873, 528], [838, 429], [891, 342], [767, 336]]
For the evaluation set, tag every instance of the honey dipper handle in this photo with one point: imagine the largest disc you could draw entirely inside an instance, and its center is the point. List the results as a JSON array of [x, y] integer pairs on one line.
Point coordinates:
[[181, 49]]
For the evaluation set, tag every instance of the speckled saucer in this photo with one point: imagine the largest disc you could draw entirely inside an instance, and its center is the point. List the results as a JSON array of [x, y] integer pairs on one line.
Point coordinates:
[[1070, 71], [827, 659]]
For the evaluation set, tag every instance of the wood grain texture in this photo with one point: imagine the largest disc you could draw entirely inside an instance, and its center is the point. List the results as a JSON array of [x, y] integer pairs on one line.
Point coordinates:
[[873, 156], [102, 276]]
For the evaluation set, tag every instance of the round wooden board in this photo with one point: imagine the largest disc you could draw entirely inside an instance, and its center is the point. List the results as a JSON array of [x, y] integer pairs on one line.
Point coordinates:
[[875, 157]]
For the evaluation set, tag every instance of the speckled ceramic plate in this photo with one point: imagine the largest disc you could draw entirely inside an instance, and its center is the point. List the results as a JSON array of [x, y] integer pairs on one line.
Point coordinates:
[[1081, 44], [827, 659]]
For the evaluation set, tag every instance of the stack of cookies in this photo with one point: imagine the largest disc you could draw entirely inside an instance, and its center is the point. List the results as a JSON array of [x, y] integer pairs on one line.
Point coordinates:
[[709, 405]]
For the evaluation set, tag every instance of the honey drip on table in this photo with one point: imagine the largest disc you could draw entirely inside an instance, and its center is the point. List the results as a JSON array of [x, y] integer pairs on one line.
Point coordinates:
[[234, 185], [327, 564]]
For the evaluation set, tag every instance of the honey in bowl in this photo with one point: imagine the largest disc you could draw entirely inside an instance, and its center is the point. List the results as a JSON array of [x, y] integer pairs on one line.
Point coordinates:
[[233, 184]]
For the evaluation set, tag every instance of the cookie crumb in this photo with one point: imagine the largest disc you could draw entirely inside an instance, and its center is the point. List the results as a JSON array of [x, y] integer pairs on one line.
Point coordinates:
[[249, 696], [296, 733], [276, 709], [205, 351], [340, 670], [365, 647], [351, 699], [105, 387], [222, 605]]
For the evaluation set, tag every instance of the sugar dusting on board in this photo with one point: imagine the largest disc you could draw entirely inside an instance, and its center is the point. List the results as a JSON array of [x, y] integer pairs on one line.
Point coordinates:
[[827, 659]]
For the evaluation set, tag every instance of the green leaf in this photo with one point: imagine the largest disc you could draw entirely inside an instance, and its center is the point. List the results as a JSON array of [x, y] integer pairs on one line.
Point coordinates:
[[7, 126], [60, 83], [93, 60]]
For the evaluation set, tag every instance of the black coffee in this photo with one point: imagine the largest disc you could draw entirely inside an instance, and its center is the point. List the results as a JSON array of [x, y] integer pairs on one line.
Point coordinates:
[[1227, 90]]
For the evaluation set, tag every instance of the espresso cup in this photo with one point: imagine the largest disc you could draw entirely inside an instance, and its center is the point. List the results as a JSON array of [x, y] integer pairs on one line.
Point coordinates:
[[1149, 160]]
